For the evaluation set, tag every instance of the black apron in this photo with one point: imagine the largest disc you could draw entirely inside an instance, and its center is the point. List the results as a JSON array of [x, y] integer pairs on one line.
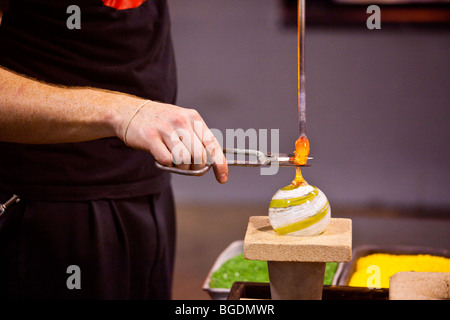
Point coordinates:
[[96, 204]]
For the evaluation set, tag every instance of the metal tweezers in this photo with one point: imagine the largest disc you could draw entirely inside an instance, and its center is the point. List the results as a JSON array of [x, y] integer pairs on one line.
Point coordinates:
[[262, 160]]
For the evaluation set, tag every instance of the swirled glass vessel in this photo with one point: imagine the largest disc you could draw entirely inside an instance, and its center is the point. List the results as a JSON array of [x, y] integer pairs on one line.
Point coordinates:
[[299, 211]]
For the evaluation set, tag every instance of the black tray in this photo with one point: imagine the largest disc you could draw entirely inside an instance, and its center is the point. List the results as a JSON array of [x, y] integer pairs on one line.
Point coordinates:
[[257, 290]]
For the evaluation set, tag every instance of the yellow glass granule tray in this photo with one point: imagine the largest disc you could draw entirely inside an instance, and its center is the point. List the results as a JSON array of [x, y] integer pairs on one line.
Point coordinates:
[[383, 266]]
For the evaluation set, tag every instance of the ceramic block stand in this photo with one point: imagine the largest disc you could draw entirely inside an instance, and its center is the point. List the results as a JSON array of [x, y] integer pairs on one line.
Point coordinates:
[[297, 264]]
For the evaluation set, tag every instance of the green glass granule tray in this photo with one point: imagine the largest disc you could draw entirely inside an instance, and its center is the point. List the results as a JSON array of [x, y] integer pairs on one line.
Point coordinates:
[[231, 267]]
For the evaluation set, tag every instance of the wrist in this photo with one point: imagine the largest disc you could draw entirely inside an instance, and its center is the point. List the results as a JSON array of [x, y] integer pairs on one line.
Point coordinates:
[[143, 104], [118, 116]]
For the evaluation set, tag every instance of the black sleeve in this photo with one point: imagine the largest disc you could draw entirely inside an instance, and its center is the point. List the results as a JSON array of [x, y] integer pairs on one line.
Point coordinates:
[[4, 5]]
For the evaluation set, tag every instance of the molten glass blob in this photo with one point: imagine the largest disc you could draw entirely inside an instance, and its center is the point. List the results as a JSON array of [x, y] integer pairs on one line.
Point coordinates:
[[301, 150], [301, 154], [298, 180]]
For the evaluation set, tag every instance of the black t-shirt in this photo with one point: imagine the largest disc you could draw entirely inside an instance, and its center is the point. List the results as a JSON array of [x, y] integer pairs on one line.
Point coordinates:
[[122, 50]]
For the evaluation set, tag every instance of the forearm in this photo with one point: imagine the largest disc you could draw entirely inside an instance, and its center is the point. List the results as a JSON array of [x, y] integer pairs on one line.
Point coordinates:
[[37, 113], [34, 112]]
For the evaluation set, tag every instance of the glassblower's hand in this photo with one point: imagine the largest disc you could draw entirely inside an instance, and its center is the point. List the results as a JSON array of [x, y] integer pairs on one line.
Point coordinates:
[[174, 136]]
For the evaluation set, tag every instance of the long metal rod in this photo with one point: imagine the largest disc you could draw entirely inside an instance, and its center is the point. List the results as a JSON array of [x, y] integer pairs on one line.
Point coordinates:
[[301, 67]]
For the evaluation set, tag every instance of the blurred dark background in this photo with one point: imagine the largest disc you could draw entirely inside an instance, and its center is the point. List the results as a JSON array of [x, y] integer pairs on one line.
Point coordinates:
[[377, 118]]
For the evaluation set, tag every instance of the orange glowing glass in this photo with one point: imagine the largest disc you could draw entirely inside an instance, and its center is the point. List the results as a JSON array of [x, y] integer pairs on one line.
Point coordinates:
[[301, 150], [301, 154]]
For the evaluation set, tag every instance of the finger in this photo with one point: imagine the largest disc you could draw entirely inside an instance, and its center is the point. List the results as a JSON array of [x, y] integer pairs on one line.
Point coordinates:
[[160, 152], [180, 154], [194, 146], [220, 165], [213, 150], [198, 153]]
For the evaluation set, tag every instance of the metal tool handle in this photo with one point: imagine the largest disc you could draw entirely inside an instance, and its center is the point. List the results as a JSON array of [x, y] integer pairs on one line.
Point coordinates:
[[4, 206], [197, 173], [263, 159]]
